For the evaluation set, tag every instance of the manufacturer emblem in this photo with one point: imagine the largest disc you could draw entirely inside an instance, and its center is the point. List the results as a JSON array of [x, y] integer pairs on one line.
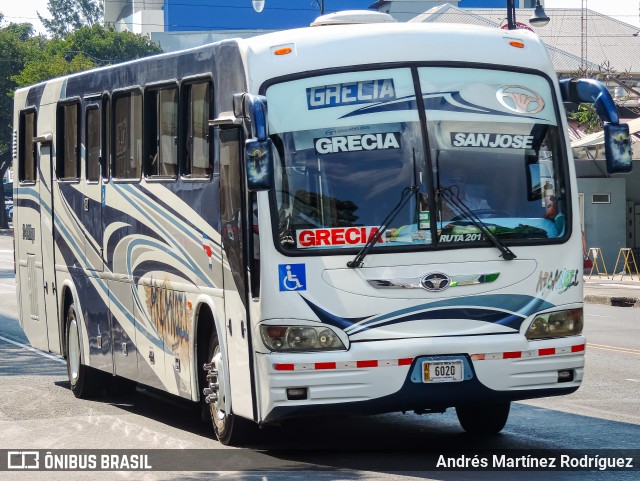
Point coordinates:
[[436, 281], [520, 100]]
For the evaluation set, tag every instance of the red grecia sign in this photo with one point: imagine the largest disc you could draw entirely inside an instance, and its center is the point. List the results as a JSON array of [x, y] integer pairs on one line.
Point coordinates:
[[336, 236]]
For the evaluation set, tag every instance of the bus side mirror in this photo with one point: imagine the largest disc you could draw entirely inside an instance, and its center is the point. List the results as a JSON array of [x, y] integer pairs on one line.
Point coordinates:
[[257, 156], [617, 147], [617, 142], [590, 91]]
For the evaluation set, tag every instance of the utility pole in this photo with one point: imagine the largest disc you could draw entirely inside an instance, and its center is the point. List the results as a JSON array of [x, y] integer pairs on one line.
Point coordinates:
[[584, 36]]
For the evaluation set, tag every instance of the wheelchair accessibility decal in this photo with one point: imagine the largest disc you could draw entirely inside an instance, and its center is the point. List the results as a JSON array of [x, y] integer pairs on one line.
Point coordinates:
[[293, 277]]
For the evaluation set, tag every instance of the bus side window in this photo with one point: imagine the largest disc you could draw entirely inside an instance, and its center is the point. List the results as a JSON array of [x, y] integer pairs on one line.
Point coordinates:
[[161, 133], [27, 159], [127, 136], [197, 155], [106, 137], [68, 151], [92, 143]]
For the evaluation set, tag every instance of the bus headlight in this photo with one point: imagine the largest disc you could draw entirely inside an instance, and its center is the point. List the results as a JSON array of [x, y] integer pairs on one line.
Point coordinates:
[[300, 338], [556, 324]]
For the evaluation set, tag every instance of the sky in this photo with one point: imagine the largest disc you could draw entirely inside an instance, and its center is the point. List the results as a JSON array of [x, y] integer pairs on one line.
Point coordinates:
[[625, 10]]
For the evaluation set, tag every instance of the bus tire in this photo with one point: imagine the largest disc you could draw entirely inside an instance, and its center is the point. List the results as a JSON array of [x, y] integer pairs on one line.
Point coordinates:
[[487, 419], [85, 381], [231, 430]]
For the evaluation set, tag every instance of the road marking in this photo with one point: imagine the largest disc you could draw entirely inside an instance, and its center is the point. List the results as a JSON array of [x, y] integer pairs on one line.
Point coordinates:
[[619, 285], [597, 315], [7, 285], [633, 380], [635, 352], [29, 348]]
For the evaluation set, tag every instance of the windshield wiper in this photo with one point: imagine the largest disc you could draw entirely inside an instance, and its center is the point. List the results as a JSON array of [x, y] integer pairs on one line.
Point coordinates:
[[407, 192], [462, 208]]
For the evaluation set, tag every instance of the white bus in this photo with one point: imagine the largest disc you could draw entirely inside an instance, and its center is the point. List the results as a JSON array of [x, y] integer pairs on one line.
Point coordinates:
[[350, 218]]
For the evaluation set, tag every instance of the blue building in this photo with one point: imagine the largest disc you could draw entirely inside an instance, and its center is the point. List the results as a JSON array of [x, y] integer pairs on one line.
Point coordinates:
[[181, 15], [147, 16]]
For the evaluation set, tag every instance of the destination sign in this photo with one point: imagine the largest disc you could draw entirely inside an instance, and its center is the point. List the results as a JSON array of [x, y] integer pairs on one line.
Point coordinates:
[[354, 143], [499, 141], [350, 93]]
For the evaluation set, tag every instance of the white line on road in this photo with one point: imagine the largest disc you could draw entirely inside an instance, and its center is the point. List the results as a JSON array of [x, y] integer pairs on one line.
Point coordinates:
[[633, 380], [7, 285], [29, 348], [618, 285], [597, 315], [624, 350]]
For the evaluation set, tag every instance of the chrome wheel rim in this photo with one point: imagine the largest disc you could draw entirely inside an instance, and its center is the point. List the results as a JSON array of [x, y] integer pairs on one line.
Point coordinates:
[[74, 350], [218, 413]]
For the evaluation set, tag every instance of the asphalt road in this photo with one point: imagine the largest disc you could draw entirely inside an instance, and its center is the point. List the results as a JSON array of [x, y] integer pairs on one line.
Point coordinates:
[[37, 410]]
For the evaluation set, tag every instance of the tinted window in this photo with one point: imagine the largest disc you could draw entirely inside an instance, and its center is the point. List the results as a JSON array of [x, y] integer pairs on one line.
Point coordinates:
[[161, 132], [198, 157], [127, 132], [27, 159], [106, 137], [93, 144], [67, 152]]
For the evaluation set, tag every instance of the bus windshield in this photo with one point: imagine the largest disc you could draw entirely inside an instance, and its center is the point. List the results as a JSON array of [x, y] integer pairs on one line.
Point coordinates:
[[348, 145]]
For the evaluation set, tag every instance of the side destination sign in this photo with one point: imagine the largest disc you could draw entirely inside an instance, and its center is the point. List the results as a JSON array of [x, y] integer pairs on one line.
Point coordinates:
[[350, 93], [500, 141], [354, 143]]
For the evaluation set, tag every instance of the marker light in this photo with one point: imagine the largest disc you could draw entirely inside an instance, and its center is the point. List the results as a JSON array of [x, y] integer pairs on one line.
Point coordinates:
[[300, 338], [556, 324], [516, 44], [282, 51]]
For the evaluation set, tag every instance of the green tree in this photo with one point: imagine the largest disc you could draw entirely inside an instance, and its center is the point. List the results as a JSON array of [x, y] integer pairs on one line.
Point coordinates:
[[104, 45], [86, 48], [70, 15], [587, 117], [13, 49], [27, 59]]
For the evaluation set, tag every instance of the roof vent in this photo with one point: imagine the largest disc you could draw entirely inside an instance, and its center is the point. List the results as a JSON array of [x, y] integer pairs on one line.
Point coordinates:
[[350, 17]]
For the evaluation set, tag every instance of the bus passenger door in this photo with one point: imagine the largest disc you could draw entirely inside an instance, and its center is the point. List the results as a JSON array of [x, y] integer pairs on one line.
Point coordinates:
[[233, 219], [32, 223]]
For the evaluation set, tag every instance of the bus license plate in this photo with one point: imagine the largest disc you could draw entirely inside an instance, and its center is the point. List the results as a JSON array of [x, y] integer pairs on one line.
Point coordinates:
[[442, 371]]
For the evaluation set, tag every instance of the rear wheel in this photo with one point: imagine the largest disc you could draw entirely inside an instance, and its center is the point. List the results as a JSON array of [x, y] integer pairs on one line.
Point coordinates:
[[85, 382], [229, 428], [484, 419]]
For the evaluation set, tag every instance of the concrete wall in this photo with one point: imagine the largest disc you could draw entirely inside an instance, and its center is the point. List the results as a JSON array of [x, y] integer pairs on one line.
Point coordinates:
[[142, 22], [605, 224], [598, 168]]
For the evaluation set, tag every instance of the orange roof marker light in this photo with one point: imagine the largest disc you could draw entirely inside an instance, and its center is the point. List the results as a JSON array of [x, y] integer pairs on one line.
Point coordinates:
[[516, 43], [282, 51]]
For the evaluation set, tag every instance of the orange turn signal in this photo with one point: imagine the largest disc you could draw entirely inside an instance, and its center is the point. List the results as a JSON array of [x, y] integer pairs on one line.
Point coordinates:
[[282, 51], [516, 44]]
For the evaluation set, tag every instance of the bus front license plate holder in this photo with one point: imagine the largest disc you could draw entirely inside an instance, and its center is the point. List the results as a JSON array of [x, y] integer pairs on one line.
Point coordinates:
[[442, 371]]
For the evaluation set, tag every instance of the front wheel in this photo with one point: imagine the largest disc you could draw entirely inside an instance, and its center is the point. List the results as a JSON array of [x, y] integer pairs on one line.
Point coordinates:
[[485, 419], [85, 382], [229, 428]]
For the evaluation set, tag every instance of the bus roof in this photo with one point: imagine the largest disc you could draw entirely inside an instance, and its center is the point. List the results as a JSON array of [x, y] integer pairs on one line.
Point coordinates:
[[318, 48]]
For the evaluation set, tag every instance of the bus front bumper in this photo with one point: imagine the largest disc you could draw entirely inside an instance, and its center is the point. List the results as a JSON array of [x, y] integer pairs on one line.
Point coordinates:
[[383, 376]]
